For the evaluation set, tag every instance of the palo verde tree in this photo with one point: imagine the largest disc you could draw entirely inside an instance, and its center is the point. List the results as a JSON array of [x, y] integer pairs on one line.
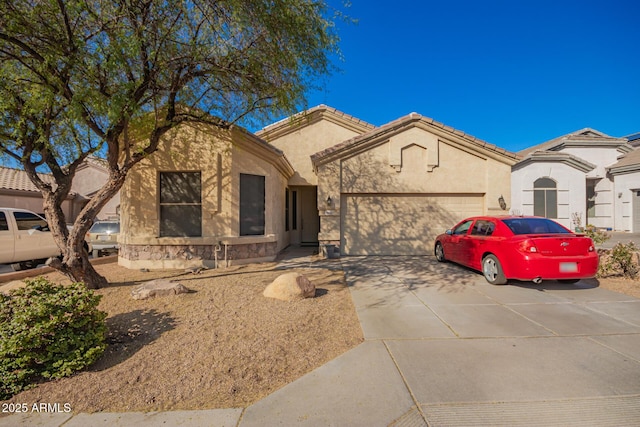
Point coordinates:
[[74, 74]]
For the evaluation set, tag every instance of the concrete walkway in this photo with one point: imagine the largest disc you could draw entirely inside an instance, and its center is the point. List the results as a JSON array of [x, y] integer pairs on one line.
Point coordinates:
[[443, 347]]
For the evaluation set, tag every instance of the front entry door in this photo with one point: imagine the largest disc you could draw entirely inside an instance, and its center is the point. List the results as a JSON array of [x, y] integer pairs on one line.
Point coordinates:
[[309, 218]]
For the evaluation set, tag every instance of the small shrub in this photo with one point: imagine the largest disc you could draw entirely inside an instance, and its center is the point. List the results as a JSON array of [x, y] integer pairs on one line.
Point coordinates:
[[621, 260], [598, 236], [47, 331]]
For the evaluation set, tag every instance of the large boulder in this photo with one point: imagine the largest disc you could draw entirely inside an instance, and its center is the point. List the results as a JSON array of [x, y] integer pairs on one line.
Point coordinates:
[[290, 287], [159, 288]]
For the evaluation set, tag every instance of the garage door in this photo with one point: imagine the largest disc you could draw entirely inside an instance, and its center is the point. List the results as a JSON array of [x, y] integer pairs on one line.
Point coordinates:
[[389, 224]]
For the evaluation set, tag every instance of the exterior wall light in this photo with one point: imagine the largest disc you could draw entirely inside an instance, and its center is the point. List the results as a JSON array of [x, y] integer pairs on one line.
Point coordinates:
[[503, 204], [329, 201]]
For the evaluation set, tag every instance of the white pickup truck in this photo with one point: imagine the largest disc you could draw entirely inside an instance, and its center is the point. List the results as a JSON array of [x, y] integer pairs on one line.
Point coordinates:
[[25, 239]]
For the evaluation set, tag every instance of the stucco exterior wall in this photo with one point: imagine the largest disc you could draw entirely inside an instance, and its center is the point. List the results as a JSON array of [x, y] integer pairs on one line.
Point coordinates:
[[308, 139], [415, 164], [599, 156], [622, 196], [33, 202], [571, 187], [90, 179], [220, 157]]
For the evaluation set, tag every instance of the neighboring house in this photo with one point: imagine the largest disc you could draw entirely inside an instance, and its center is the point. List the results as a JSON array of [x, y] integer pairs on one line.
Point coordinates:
[[574, 179], [17, 190], [626, 178], [207, 196], [321, 177]]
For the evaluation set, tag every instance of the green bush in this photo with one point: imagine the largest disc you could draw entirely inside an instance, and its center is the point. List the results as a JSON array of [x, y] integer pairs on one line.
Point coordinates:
[[47, 331], [621, 260]]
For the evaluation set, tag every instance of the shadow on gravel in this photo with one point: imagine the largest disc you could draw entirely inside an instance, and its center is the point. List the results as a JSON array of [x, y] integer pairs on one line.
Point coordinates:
[[129, 332]]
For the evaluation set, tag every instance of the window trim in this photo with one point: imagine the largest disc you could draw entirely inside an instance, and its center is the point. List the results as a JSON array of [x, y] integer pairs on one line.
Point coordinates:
[[242, 226], [545, 188], [161, 204]]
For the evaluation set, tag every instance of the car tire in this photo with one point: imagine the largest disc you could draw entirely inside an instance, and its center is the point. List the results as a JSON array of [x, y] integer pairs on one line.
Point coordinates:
[[96, 253], [439, 252], [492, 270], [569, 281]]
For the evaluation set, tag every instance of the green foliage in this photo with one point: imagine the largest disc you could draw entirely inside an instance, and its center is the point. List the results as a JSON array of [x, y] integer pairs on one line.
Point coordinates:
[[76, 75], [47, 331], [621, 260], [598, 236]]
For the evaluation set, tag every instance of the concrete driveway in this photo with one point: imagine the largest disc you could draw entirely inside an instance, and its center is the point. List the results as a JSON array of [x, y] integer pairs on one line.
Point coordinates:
[[443, 347]]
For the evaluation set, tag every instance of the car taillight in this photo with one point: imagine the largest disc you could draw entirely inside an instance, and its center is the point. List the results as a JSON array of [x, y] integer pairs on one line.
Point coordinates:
[[528, 246]]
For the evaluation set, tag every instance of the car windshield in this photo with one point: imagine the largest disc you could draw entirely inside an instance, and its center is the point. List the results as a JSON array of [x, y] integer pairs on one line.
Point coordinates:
[[534, 226], [105, 227]]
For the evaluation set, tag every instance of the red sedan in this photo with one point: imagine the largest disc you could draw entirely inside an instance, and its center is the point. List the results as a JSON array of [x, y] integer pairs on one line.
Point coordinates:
[[520, 248]]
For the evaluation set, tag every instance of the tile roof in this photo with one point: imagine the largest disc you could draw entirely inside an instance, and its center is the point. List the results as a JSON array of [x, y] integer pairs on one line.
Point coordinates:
[[16, 179], [630, 162], [403, 121], [293, 122], [586, 135]]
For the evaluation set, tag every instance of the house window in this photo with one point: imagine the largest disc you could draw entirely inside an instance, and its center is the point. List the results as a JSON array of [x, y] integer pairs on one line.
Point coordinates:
[[286, 209], [180, 204], [252, 205], [545, 198]]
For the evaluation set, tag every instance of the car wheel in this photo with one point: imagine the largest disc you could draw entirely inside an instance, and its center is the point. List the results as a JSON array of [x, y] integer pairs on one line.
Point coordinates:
[[569, 281], [492, 270], [439, 251]]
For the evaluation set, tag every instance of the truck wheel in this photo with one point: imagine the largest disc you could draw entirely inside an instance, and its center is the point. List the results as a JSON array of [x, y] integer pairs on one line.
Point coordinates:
[[17, 266], [96, 253]]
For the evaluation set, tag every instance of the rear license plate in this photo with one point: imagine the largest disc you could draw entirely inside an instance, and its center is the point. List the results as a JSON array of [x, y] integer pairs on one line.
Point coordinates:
[[107, 238], [568, 267]]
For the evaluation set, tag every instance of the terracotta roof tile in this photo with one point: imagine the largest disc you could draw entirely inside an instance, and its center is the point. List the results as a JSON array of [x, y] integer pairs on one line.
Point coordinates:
[[412, 117], [16, 179]]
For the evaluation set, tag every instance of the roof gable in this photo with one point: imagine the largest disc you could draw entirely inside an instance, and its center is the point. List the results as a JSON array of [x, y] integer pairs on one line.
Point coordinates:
[[629, 163], [311, 116], [586, 137], [558, 157], [378, 135]]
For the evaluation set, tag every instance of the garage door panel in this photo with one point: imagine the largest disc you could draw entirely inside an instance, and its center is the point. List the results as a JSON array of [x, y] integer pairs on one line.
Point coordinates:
[[401, 224]]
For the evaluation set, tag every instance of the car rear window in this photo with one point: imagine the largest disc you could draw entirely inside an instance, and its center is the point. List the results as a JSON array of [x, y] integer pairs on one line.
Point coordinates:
[[534, 226], [105, 227]]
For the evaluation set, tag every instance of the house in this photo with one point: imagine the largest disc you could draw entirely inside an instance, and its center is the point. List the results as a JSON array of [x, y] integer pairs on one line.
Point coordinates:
[[626, 193], [17, 190], [210, 196], [387, 190], [584, 177]]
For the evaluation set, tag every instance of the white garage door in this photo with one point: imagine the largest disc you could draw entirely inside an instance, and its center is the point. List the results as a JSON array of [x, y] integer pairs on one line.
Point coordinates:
[[389, 224]]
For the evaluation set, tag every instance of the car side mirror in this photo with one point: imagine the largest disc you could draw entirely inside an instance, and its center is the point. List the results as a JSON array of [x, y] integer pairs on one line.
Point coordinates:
[[449, 232]]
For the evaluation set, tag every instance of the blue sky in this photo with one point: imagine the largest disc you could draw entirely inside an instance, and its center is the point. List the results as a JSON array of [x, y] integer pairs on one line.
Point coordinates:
[[513, 73]]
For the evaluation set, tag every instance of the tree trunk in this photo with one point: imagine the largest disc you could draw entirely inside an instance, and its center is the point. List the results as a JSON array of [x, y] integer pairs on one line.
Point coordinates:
[[75, 259], [79, 269]]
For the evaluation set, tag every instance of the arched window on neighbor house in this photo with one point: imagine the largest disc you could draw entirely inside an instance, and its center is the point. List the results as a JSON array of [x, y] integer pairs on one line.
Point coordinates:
[[545, 198]]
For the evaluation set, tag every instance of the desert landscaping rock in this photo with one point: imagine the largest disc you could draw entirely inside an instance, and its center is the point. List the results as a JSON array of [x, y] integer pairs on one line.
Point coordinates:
[[159, 288], [290, 287]]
